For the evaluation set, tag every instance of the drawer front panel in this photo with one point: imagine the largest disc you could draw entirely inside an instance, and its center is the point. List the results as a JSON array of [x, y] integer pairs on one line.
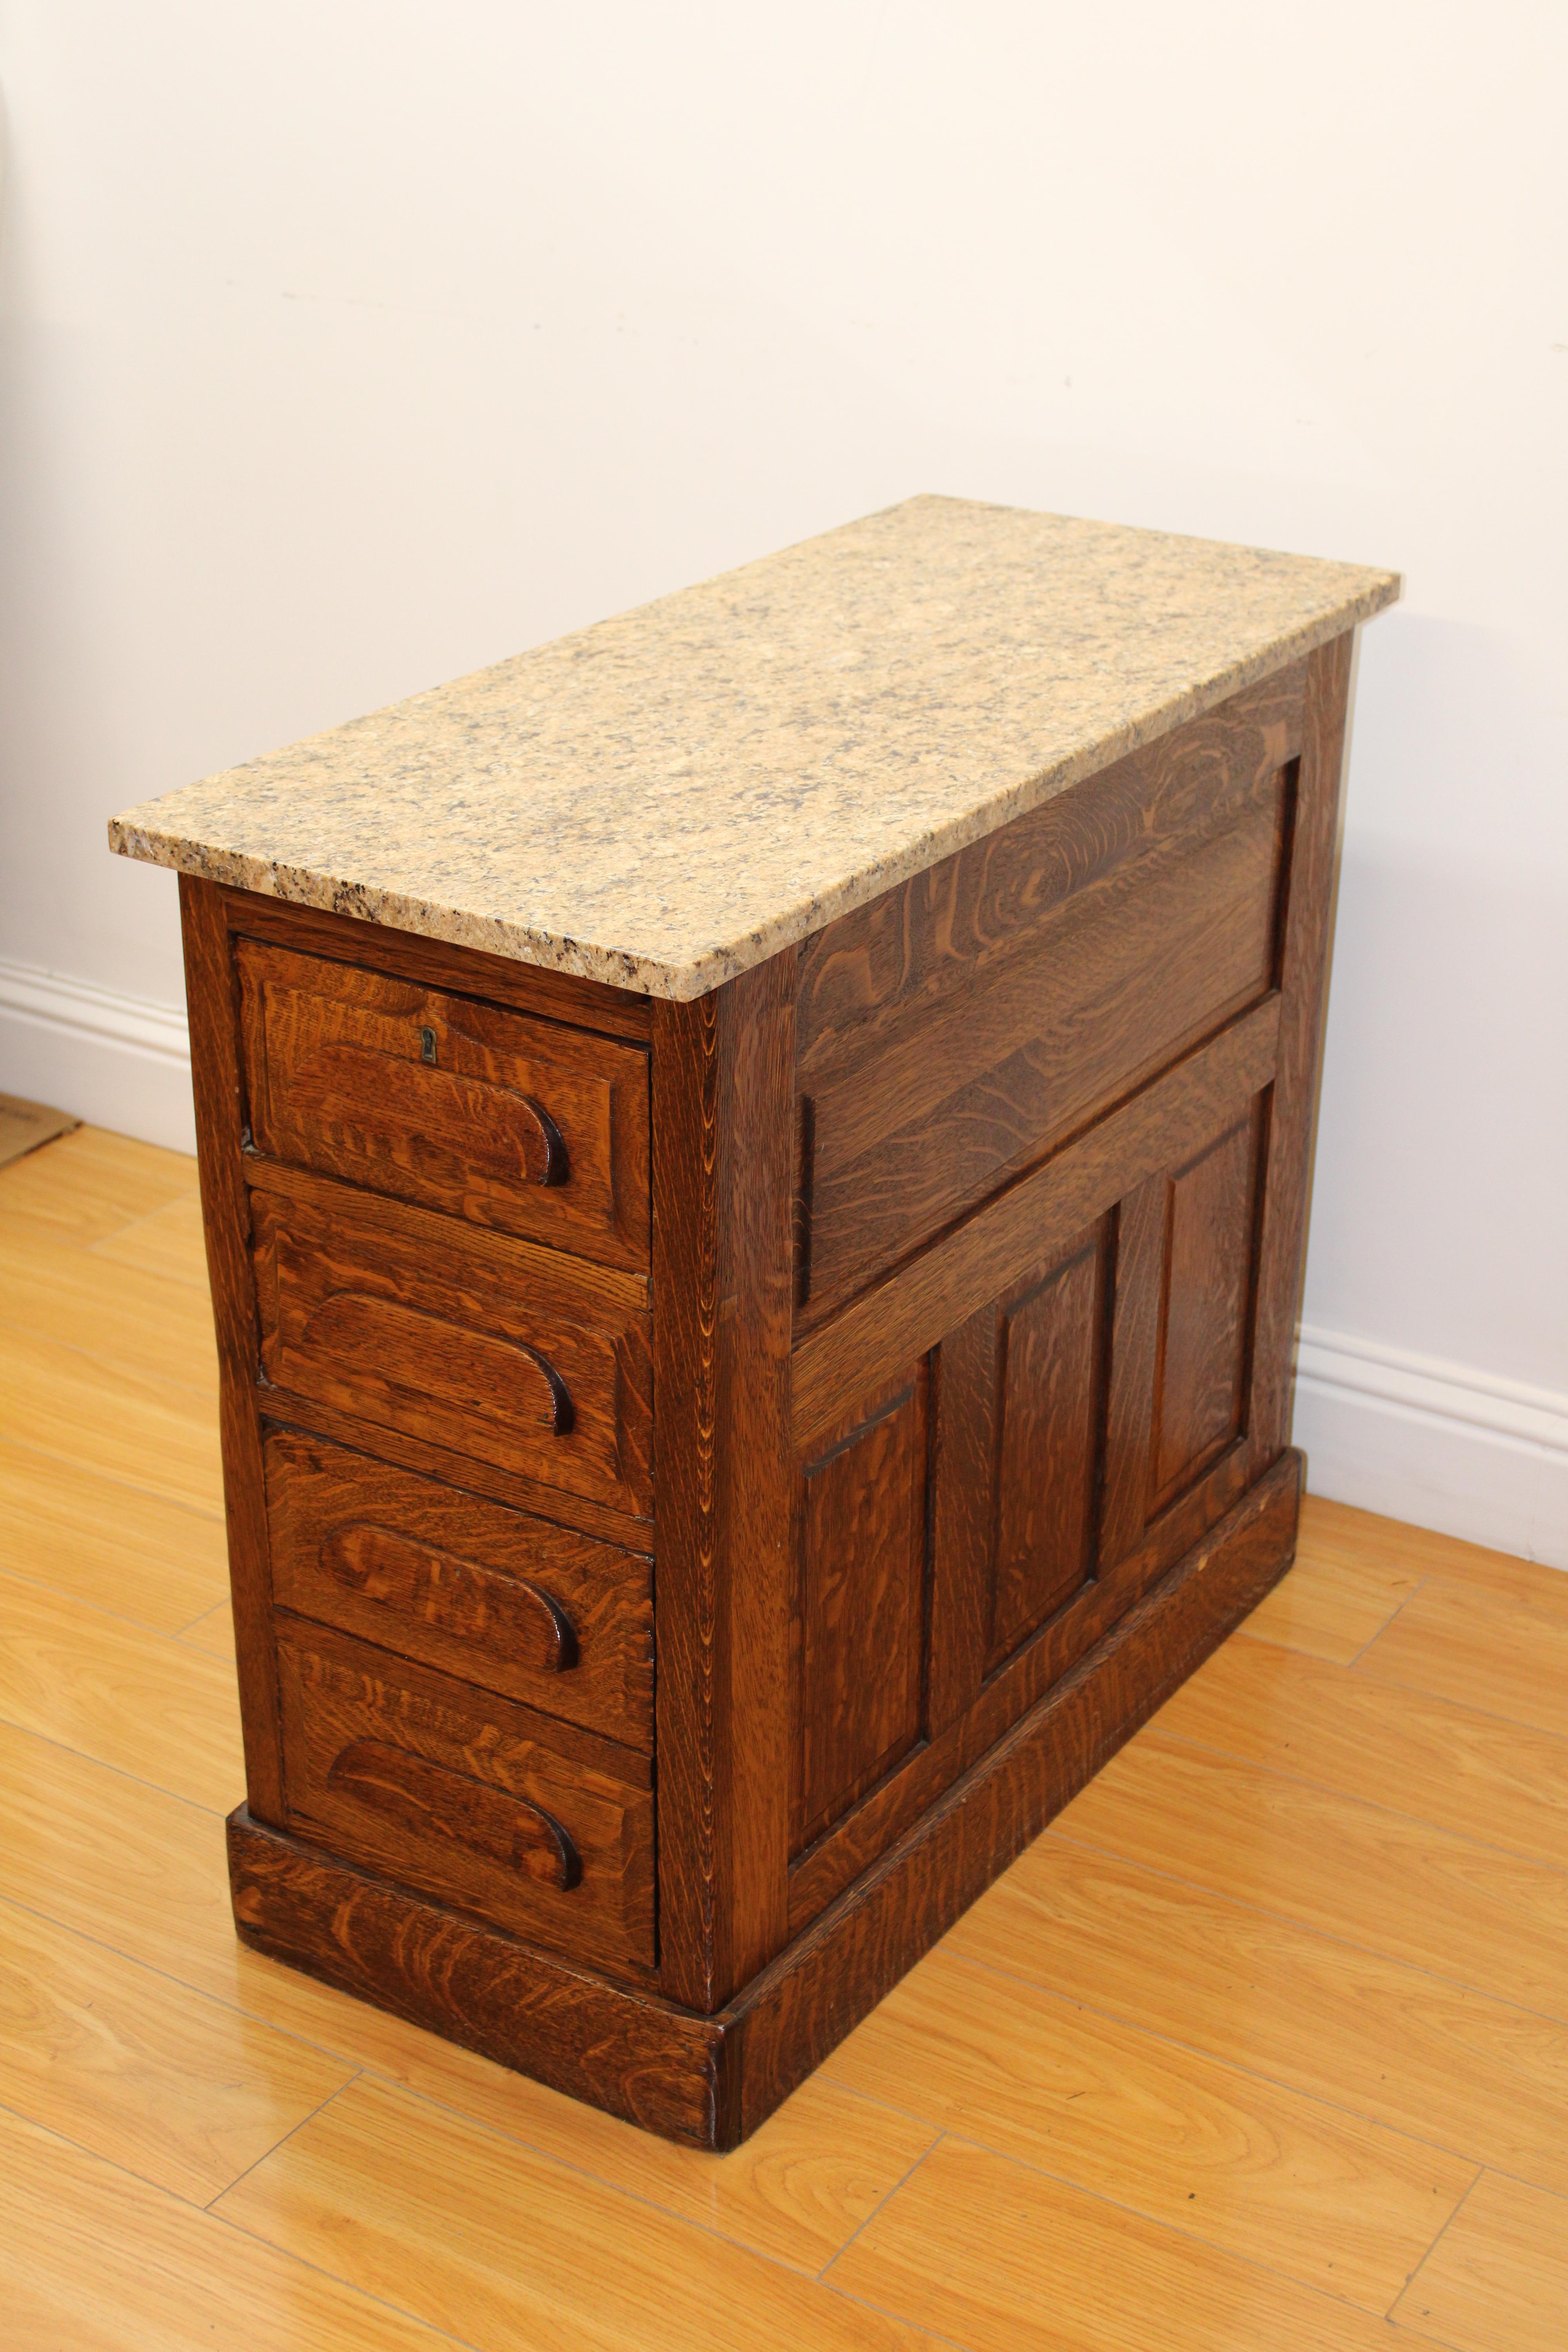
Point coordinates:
[[494, 1596], [510, 1121], [520, 1357], [453, 1790]]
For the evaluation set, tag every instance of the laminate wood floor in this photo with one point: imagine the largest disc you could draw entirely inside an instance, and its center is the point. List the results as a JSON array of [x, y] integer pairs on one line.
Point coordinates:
[[1263, 2046]]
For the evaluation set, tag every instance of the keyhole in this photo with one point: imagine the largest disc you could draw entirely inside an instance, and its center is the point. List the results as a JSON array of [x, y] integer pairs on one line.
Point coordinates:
[[428, 1045]]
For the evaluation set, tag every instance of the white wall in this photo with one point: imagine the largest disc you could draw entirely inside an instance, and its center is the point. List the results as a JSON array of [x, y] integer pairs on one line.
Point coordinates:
[[351, 344]]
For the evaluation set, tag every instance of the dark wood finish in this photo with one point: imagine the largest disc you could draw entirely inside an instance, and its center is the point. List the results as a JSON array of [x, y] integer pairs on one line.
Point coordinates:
[[493, 1116], [861, 1605], [723, 1138], [588, 1005], [711, 2079], [516, 1603], [226, 1220], [475, 1801], [492, 1347], [1306, 934], [912, 1359], [995, 1248], [1022, 989]]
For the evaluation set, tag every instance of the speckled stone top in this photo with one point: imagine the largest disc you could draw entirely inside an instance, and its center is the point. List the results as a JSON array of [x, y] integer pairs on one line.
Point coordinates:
[[675, 795]]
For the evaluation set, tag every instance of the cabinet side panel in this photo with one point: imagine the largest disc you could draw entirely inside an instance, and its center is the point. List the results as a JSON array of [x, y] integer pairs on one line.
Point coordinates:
[[1305, 937], [226, 1216], [1203, 1322]]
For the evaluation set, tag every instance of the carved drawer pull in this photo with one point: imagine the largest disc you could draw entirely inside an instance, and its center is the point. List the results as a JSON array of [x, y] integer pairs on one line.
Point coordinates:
[[456, 1596], [564, 1413], [456, 1809], [545, 1157]]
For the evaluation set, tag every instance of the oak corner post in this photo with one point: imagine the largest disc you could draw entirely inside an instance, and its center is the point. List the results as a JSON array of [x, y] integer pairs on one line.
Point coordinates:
[[723, 1159]]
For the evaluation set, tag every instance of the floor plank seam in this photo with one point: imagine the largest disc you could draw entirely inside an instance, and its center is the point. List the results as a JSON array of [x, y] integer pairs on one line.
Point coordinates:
[[1423, 1690], [118, 1367], [335, 2093], [937, 2135], [1308, 1927], [100, 1764], [111, 1477], [584, 2172], [1247, 2074], [96, 2154], [1371, 1804], [115, 1616], [362, 2293], [1481, 2171]]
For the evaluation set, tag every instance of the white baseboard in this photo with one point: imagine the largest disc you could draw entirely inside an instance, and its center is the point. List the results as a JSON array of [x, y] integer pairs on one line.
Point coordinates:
[[1434, 1442], [115, 1060], [1394, 1432]]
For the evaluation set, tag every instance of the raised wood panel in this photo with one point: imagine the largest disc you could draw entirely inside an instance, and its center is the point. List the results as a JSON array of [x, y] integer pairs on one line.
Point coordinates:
[[488, 1114], [942, 929], [922, 1115], [481, 1803], [1050, 1405], [493, 1347], [862, 1516], [1200, 1380], [511, 1601], [911, 1311]]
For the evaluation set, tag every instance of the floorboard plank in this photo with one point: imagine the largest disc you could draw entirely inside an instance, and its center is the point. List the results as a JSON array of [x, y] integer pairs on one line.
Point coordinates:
[[986, 2253], [1468, 1912], [504, 2247], [1501, 1782], [1497, 2281], [1446, 2064], [122, 1315], [1261, 2172], [108, 1544], [154, 1434], [1482, 1650], [89, 1184], [168, 1245]]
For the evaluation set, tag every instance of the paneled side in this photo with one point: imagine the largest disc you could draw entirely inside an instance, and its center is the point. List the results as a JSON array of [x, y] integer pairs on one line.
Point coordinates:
[[956, 1031], [1200, 1379], [1049, 1419], [862, 1521]]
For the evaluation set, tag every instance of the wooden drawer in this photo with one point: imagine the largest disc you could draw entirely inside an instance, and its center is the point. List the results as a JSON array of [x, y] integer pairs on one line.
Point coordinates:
[[483, 1804], [495, 1596], [521, 1356], [508, 1121]]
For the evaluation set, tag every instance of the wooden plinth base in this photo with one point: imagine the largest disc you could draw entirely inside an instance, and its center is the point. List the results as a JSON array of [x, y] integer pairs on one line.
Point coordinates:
[[711, 2080]]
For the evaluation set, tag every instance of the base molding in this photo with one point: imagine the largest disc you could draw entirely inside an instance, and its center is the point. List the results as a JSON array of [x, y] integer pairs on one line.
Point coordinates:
[[711, 2080]]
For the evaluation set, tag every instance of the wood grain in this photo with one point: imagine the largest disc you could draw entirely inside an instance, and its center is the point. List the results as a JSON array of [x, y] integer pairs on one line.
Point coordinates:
[[89, 1184], [555, 995], [1498, 2279], [483, 1804], [1313, 820], [1460, 2069], [862, 1599], [1201, 1360], [117, 1691], [511, 1601], [522, 1356], [997, 1247], [1258, 2172], [480, 2236], [983, 2251], [939, 1112], [722, 1273], [119, 1314], [1444, 1904], [103, 2263], [1339, 1592], [108, 1544], [225, 1217], [1503, 1783], [167, 1244], [158, 1435], [1506, 1656], [180, 2090], [493, 1115]]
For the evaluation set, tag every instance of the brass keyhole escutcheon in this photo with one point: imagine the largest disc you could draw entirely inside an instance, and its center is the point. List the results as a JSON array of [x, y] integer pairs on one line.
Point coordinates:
[[428, 1046]]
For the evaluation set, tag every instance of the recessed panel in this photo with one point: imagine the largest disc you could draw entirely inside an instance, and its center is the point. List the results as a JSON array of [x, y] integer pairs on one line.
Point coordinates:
[[1202, 1360], [862, 1595]]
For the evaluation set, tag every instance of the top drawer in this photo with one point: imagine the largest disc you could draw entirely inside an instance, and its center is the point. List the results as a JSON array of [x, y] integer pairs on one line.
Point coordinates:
[[497, 1117]]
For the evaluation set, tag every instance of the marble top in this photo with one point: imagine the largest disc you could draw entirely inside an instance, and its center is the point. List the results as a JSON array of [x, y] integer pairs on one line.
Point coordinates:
[[675, 795]]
